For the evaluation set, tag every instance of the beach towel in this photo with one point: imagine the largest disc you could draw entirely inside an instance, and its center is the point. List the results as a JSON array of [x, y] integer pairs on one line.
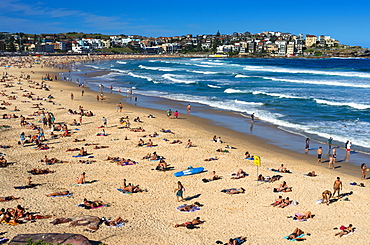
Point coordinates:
[[68, 195], [126, 163], [297, 214], [350, 233], [250, 158], [124, 191], [194, 209], [231, 189], [319, 201], [87, 156], [25, 186], [3, 240], [300, 236], [120, 224], [80, 184], [81, 205]]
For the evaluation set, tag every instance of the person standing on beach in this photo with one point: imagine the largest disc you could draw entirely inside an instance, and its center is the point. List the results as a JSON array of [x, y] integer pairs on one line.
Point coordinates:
[[169, 113], [363, 171], [252, 117], [348, 147], [72, 96], [82, 92], [331, 160], [334, 154], [307, 144], [97, 97], [319, 154], [188, 108], [179, 191], [330, 142], [104, 122], [337, 186]]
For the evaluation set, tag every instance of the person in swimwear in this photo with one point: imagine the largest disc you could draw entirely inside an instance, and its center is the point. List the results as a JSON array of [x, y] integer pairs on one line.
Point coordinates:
[[195, 221], [296, 233]]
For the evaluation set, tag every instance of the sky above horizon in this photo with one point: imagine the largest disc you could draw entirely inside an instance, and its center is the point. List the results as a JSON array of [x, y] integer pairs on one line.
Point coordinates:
[[343, 20]]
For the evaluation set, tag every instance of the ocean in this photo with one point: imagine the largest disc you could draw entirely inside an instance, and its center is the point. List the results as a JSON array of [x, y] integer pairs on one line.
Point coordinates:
[[315, 98]]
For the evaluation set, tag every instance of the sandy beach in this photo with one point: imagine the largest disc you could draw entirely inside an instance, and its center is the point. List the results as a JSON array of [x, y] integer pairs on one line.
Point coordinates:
[[152, 214]]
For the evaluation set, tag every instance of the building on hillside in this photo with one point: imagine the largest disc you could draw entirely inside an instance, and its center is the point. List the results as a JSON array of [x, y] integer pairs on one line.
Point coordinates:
[[310, 40], [44, 48], [282, 47], [290, 48], [272, 48]]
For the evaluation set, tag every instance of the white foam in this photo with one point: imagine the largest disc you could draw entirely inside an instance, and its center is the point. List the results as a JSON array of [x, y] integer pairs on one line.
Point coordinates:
[[234, 91], [177, 78], [241, 76], [140, 76], [278, 95], [293, 70], [248, 103], [213, 86], [121, 62], [350, 104], [203, 72], [159, 68], [320, 82]]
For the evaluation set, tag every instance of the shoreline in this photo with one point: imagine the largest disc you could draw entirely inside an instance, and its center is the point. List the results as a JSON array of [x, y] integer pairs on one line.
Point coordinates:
[[152, 214], [238, 122]]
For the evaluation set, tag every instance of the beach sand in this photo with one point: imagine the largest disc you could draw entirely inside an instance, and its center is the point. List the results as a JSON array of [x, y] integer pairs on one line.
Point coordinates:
[[152, 214]]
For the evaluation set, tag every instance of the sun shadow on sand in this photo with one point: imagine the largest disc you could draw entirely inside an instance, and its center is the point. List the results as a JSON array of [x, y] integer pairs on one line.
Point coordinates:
[[192, 197]]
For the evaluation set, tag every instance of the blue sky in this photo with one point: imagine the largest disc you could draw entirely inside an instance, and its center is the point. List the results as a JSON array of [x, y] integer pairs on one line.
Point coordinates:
[[345, 21]]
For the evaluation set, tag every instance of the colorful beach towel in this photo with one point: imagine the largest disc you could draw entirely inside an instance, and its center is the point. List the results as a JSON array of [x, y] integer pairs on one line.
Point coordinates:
[[124, 191], [3, 240], [194, 209], [87, 156], [126, 163], [80, 184], [300, 236], [120, 224]]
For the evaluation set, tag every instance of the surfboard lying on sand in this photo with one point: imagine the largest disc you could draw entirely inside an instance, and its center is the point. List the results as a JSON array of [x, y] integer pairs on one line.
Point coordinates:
[[189, 171]]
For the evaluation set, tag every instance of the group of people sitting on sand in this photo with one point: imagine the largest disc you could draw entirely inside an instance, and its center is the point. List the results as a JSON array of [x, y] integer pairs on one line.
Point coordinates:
[[18, 215], [283, 187]]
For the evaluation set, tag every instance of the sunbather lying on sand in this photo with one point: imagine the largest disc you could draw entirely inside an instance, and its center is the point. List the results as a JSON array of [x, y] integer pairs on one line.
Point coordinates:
[[195, 221], [60, 193], [283, 187], [115, 221], [41, 171], [73, 149], [189, 207], [77, 140], [305, 216], [222, 150], [211, 159], [100, 147], [166, 131], [236, 240], [345, 230], [92, 204], [286, 202], [50, 160], [296, 233], [277, 202], [239, 174], [176, 142], [8, 198], [232, 191]]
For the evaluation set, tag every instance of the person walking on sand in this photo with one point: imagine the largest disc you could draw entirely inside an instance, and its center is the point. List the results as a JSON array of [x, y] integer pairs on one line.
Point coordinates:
[[319, 154], [337, 186], [179, 191], [307, 144], [22, 138], [363, 171], [331, 160], [72, 96], [104, 122], [252, 117], [334, 154]]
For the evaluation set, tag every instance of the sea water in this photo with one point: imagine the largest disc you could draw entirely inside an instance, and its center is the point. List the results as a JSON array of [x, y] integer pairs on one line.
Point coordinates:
[[319, 98]]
